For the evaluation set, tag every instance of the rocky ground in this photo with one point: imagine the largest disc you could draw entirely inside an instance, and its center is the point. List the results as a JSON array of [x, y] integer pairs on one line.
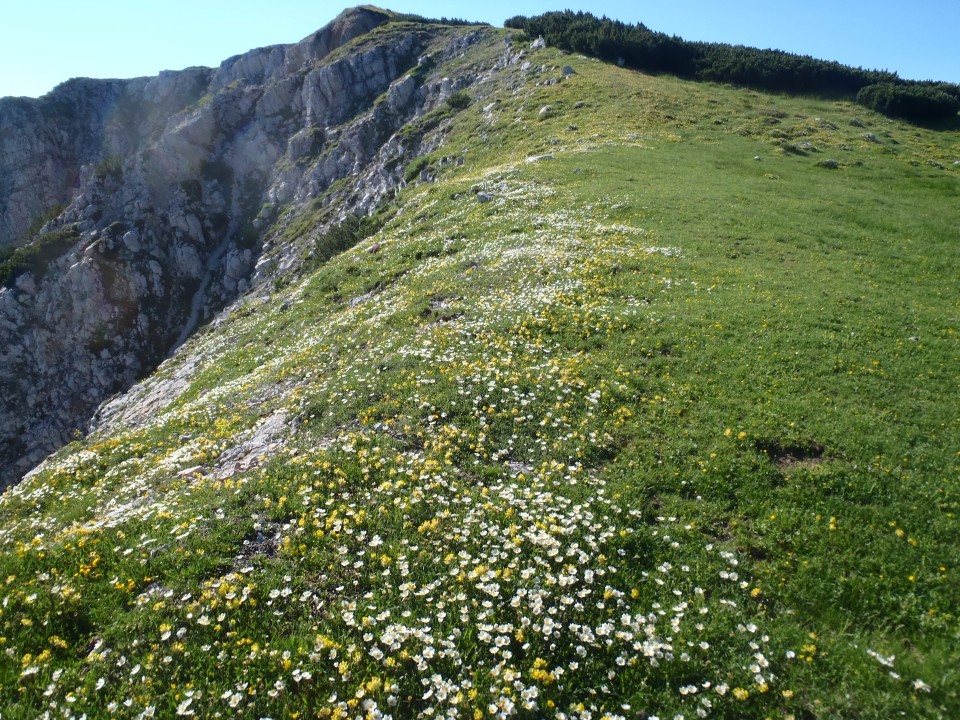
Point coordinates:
[[169, 195]]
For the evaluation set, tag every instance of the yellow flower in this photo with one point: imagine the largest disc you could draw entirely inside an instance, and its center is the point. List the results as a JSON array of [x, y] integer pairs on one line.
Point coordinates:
[[740, 694]]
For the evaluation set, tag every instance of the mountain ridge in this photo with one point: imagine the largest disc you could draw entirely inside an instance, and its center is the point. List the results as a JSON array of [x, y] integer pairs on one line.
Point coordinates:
[[632, 399], [165, 189]]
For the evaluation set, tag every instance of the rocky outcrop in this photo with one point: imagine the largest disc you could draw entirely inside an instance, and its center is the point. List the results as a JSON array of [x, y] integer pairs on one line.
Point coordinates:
[[157, 197]]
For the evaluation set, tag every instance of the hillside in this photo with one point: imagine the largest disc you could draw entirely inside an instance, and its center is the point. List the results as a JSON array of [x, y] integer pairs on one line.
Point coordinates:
[[930, 103], [132, 211], [637, 397]]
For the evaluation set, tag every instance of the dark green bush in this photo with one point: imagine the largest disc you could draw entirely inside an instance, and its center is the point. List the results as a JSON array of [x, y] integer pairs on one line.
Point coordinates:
[[344, 236], [36, 256], [41, 220], [411, 17], [111, 166], [638, 47], [917, 102], [459, 100]]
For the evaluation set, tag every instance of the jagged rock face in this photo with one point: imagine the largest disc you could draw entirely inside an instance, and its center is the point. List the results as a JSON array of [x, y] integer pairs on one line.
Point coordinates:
[[162, 186]]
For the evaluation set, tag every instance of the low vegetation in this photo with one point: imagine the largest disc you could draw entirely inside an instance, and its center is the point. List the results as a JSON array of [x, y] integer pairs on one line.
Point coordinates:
[[639, 412], [639, 47], [35, 256]]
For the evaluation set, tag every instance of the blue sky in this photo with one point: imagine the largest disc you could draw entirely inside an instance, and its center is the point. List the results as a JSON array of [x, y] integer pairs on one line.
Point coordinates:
[[43, 42]]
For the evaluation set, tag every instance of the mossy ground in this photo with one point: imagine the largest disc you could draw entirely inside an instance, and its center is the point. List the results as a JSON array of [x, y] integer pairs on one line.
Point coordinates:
[[660, 429]]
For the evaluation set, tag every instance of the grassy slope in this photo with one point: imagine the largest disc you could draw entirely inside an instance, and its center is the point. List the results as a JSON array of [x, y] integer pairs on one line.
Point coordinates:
[[660, 429]]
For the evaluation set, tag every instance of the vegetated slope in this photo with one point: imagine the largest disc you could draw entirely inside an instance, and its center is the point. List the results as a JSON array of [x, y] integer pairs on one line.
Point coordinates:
[[648, 408], [636, 46], [131, 211]]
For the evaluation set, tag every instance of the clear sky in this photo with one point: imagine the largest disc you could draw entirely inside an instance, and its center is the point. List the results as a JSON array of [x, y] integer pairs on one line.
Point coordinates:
[[44, 42]]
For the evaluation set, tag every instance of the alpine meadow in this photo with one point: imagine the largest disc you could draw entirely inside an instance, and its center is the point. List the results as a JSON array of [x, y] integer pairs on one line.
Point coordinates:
[[518, 384]]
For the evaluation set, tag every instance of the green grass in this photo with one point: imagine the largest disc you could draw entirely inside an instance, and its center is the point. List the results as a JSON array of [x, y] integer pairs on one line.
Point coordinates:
[[36, 256], [697, 409]]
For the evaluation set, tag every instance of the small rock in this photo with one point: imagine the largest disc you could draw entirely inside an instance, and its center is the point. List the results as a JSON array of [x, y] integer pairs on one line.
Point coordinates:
[[538, 44], [538, 158], [934, 163], [857, 122], [870, 137], [132, 240], [484, 197], [360, 299], [567, 70], [375, 248], [25, 283], [829, 164], [546, 110], [580, 103], [756, 157]]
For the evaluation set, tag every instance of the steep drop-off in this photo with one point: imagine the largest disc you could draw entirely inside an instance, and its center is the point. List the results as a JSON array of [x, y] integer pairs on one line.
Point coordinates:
[[158, 198]]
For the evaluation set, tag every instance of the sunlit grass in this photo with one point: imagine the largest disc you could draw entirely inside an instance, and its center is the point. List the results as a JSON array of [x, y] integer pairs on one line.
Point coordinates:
[[659, 430]]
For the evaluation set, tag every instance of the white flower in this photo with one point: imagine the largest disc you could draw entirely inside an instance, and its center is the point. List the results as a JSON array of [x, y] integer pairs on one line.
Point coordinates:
[[301, 675], [920, 685]]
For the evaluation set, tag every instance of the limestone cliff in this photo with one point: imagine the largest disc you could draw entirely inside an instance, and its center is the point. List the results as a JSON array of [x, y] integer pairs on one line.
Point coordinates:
[[132, 210]]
